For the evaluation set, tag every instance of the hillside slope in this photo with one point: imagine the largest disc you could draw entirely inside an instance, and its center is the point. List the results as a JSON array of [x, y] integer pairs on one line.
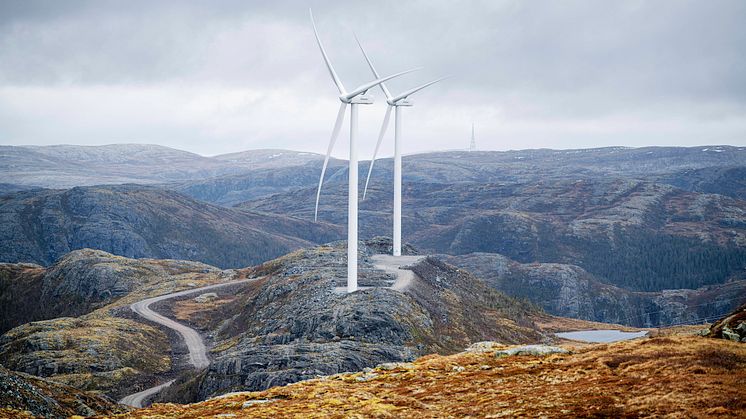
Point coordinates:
[[106, 348], [288, 324], [140, 221], [640, 378], [78, 283], [638, 235], [570, 291]]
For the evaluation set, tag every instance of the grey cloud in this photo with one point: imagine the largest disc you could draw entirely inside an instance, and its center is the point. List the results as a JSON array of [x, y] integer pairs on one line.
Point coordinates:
[[540, 61]]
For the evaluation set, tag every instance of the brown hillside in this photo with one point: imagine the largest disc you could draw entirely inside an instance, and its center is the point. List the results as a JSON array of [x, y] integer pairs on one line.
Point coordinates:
[[676, 376]]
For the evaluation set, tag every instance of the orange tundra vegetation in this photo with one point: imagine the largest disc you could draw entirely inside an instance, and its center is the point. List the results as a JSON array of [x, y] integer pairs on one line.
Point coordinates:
[[677, 376]]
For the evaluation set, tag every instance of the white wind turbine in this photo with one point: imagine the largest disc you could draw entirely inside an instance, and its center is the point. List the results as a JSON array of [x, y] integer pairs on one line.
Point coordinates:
[[356, 97], [393, 102]]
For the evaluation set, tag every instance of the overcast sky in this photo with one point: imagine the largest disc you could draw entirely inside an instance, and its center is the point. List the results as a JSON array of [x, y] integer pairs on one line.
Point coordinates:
[[221, 76]]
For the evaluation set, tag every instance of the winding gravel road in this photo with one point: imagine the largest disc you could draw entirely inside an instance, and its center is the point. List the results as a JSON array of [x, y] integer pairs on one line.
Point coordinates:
[[192, 339]]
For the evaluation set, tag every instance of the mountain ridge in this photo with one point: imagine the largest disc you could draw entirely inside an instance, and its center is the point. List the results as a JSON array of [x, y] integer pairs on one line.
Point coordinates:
[[39, 226]]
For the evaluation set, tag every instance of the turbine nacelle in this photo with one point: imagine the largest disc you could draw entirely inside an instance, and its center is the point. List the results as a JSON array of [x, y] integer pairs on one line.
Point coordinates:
[[401, 102], [361, 99]]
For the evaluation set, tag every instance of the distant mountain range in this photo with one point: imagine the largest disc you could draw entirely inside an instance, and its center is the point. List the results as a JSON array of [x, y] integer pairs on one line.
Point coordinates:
[[64, 166], [231, 178]]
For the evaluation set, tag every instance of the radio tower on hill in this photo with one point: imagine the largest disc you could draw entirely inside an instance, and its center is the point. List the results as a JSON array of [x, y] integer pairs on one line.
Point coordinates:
[[473, 145]]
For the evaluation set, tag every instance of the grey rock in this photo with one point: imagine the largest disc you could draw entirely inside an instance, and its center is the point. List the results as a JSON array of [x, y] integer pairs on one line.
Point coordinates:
[[250, 403], [531, 350], [206, 297], [731, 335]]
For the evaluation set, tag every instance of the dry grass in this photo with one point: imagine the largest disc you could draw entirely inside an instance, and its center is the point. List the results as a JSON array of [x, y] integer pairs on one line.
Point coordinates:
[[672, 376], [199, 314]]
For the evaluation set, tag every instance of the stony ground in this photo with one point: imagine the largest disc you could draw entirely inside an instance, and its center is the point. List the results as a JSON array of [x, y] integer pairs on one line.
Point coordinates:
[[677, 376], [23, 395]]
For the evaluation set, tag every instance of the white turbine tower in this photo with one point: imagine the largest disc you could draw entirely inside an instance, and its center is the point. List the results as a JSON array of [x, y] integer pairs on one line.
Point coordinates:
[[395, 102], [356, 97]]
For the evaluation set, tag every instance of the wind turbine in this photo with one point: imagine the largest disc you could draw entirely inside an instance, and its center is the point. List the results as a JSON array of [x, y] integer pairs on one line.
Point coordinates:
[[356, 97], [395, 102], [473, 144]]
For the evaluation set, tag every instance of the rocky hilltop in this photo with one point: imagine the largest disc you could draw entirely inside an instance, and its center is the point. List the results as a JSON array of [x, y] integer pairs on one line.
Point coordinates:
[[291, 324], [140, 221]]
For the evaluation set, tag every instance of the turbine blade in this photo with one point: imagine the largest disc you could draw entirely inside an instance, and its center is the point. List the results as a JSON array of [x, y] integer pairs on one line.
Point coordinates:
[[416, 89], [329, 67], [366, 86], [378, 145], [332, 140], [372, 68]]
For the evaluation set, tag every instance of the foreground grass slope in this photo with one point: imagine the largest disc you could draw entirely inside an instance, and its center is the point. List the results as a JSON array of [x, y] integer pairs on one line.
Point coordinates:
[[679, 376]]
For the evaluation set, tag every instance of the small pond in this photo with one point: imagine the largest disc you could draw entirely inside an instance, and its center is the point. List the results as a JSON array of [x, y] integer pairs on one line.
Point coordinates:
[[600, 336]]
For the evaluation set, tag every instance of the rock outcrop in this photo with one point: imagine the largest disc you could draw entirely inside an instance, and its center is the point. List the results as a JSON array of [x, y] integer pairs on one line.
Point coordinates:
[[731, 327], [108, 355], [23, 395]]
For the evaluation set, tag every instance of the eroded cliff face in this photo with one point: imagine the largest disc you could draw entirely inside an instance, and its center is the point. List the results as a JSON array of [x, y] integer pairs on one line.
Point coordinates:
[[570, 291]]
